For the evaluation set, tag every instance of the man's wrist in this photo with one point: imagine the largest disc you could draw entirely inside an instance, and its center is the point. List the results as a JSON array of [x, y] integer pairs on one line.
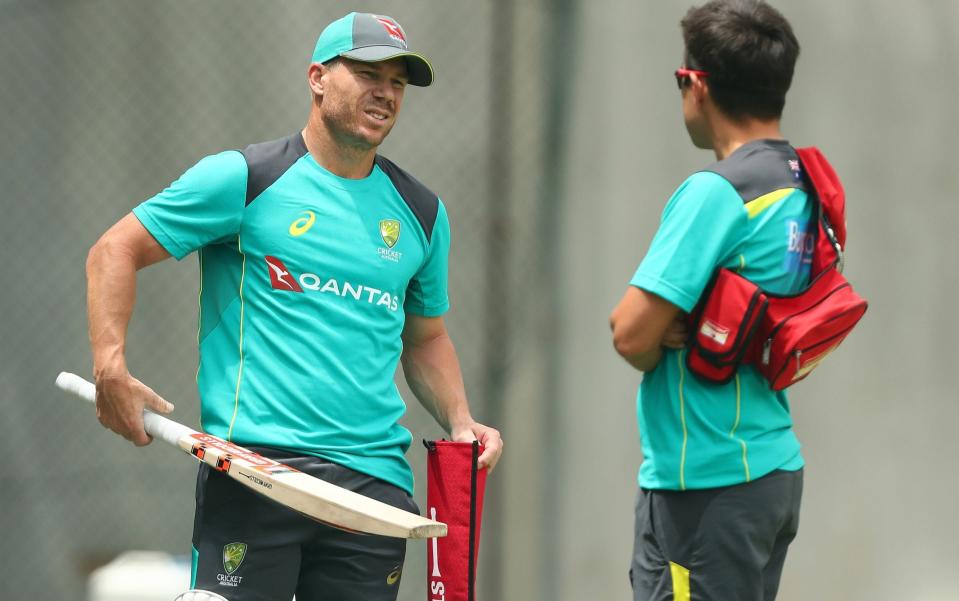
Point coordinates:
[[462, 424], [109, 364]]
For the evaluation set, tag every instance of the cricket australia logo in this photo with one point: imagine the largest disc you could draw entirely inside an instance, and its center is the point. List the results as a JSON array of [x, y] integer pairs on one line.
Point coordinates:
[[233, 556], [390, 232]]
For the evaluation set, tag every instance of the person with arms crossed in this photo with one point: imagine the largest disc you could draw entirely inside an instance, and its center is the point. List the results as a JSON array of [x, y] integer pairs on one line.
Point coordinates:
[[322, 265], [721, 478]]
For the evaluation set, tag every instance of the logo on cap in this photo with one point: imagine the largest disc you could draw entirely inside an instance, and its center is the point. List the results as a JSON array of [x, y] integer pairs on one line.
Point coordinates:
[[393, 29]]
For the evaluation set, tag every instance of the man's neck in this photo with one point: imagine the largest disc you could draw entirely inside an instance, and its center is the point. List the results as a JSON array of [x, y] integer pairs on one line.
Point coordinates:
[[730, 135], [344, 160]]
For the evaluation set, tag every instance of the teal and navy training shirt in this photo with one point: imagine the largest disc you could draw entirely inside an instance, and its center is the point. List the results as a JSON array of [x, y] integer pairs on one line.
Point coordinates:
[[305, 281], [751, 213]]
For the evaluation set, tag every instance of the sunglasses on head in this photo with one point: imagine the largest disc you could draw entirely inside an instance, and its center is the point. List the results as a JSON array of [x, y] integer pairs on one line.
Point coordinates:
[[682, 75]]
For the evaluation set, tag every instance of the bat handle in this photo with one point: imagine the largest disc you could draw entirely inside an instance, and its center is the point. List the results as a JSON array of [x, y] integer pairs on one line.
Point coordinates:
[[155, 425], [74, 384], [165, 429]]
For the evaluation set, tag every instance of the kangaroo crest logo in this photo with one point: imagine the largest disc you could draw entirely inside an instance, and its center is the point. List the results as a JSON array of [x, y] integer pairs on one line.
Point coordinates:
[[390, 231], [233, 555]]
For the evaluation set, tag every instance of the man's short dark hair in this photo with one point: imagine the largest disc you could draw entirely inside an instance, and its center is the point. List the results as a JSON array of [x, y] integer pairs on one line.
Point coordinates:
[[749, 50]]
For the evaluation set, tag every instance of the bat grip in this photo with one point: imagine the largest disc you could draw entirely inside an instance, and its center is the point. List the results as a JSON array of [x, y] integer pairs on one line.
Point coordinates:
[[155, 425], [165, 429]]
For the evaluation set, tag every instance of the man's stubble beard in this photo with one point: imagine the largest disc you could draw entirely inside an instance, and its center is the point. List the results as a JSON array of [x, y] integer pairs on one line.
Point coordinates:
[[341, 121]]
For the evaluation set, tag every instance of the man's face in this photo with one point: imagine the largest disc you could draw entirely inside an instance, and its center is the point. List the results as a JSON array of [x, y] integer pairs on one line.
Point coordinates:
[[360, 101]]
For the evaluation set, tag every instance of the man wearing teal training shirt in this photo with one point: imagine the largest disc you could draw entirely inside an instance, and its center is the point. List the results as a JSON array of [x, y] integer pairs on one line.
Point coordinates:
[[721, 478], [323, 265]]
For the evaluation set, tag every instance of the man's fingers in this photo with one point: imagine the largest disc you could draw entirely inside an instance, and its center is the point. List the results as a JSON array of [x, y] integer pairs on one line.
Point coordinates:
[[133, 430], [488, 437], [158, 404], [493, 444], [120, 405], [141, 440]]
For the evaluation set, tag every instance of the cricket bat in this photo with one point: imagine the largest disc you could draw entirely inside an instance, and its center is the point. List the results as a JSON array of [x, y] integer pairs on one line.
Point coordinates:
[[310, 496]]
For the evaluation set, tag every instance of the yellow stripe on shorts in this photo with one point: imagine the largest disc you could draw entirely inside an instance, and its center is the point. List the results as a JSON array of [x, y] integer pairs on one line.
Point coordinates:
[[680, 582]]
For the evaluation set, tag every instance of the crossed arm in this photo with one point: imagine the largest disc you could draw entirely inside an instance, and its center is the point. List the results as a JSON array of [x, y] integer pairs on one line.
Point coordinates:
[[642, 324], [432, 370]]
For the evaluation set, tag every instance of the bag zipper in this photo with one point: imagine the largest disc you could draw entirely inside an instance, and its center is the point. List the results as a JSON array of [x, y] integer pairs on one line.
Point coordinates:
[[798, 352], [769, 341]]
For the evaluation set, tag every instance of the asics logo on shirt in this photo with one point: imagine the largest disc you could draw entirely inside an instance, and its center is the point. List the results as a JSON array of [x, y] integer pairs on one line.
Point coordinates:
[[303, 224], [282, 279]]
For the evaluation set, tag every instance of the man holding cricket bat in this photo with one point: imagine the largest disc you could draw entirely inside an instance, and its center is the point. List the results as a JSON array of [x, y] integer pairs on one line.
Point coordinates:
[[322, 265]]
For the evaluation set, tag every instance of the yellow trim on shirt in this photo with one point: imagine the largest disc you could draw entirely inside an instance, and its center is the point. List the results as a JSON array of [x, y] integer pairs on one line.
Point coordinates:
[[680, 577], [682, 418], [239, 373], [732, 433], [756, 206]]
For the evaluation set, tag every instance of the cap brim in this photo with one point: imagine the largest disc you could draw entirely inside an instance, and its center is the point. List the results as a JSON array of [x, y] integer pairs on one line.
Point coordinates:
[[418, 67]]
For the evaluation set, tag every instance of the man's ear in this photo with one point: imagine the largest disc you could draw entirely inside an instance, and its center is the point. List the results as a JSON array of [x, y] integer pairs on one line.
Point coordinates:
[[699, 88], [315, 76]]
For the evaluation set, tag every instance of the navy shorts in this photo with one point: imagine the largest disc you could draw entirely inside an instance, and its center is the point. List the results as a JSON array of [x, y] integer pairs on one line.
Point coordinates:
[[249, 548], [717, 544]]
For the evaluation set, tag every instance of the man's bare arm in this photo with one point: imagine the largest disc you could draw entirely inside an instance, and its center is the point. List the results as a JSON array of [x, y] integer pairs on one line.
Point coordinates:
[[432, 370], [642, 323], [111, 293]]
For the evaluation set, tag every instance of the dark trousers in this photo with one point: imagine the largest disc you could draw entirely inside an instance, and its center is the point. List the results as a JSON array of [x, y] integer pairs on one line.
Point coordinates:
[[250, 548], [717, 544]]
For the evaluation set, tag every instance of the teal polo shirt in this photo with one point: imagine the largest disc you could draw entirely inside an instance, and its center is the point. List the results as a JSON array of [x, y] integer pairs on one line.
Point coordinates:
[[751, 213], [306, 280]]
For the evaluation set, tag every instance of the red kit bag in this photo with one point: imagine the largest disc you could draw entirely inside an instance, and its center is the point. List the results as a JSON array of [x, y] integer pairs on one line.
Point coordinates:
[[801, 330], [722, 327], [454, 495], [784, 336]]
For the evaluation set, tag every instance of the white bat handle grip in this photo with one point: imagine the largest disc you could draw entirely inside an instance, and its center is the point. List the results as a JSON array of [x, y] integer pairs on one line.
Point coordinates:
[[165, 429], [77, 385], [155, 425]]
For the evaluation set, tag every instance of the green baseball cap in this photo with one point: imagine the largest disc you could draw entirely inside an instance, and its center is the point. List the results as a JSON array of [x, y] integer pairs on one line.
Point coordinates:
[[371, 38]]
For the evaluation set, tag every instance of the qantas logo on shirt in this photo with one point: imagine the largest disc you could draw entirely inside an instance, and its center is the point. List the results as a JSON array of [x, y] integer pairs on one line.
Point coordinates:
[[280, 276], [282, 279]]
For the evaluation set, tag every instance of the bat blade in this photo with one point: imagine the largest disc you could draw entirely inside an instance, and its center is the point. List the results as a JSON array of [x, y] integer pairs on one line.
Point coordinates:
[[313, 497]]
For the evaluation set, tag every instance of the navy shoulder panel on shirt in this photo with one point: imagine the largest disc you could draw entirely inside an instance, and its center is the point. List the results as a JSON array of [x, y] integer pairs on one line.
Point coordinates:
[[267, 161], [421, 200], [760, 167]]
